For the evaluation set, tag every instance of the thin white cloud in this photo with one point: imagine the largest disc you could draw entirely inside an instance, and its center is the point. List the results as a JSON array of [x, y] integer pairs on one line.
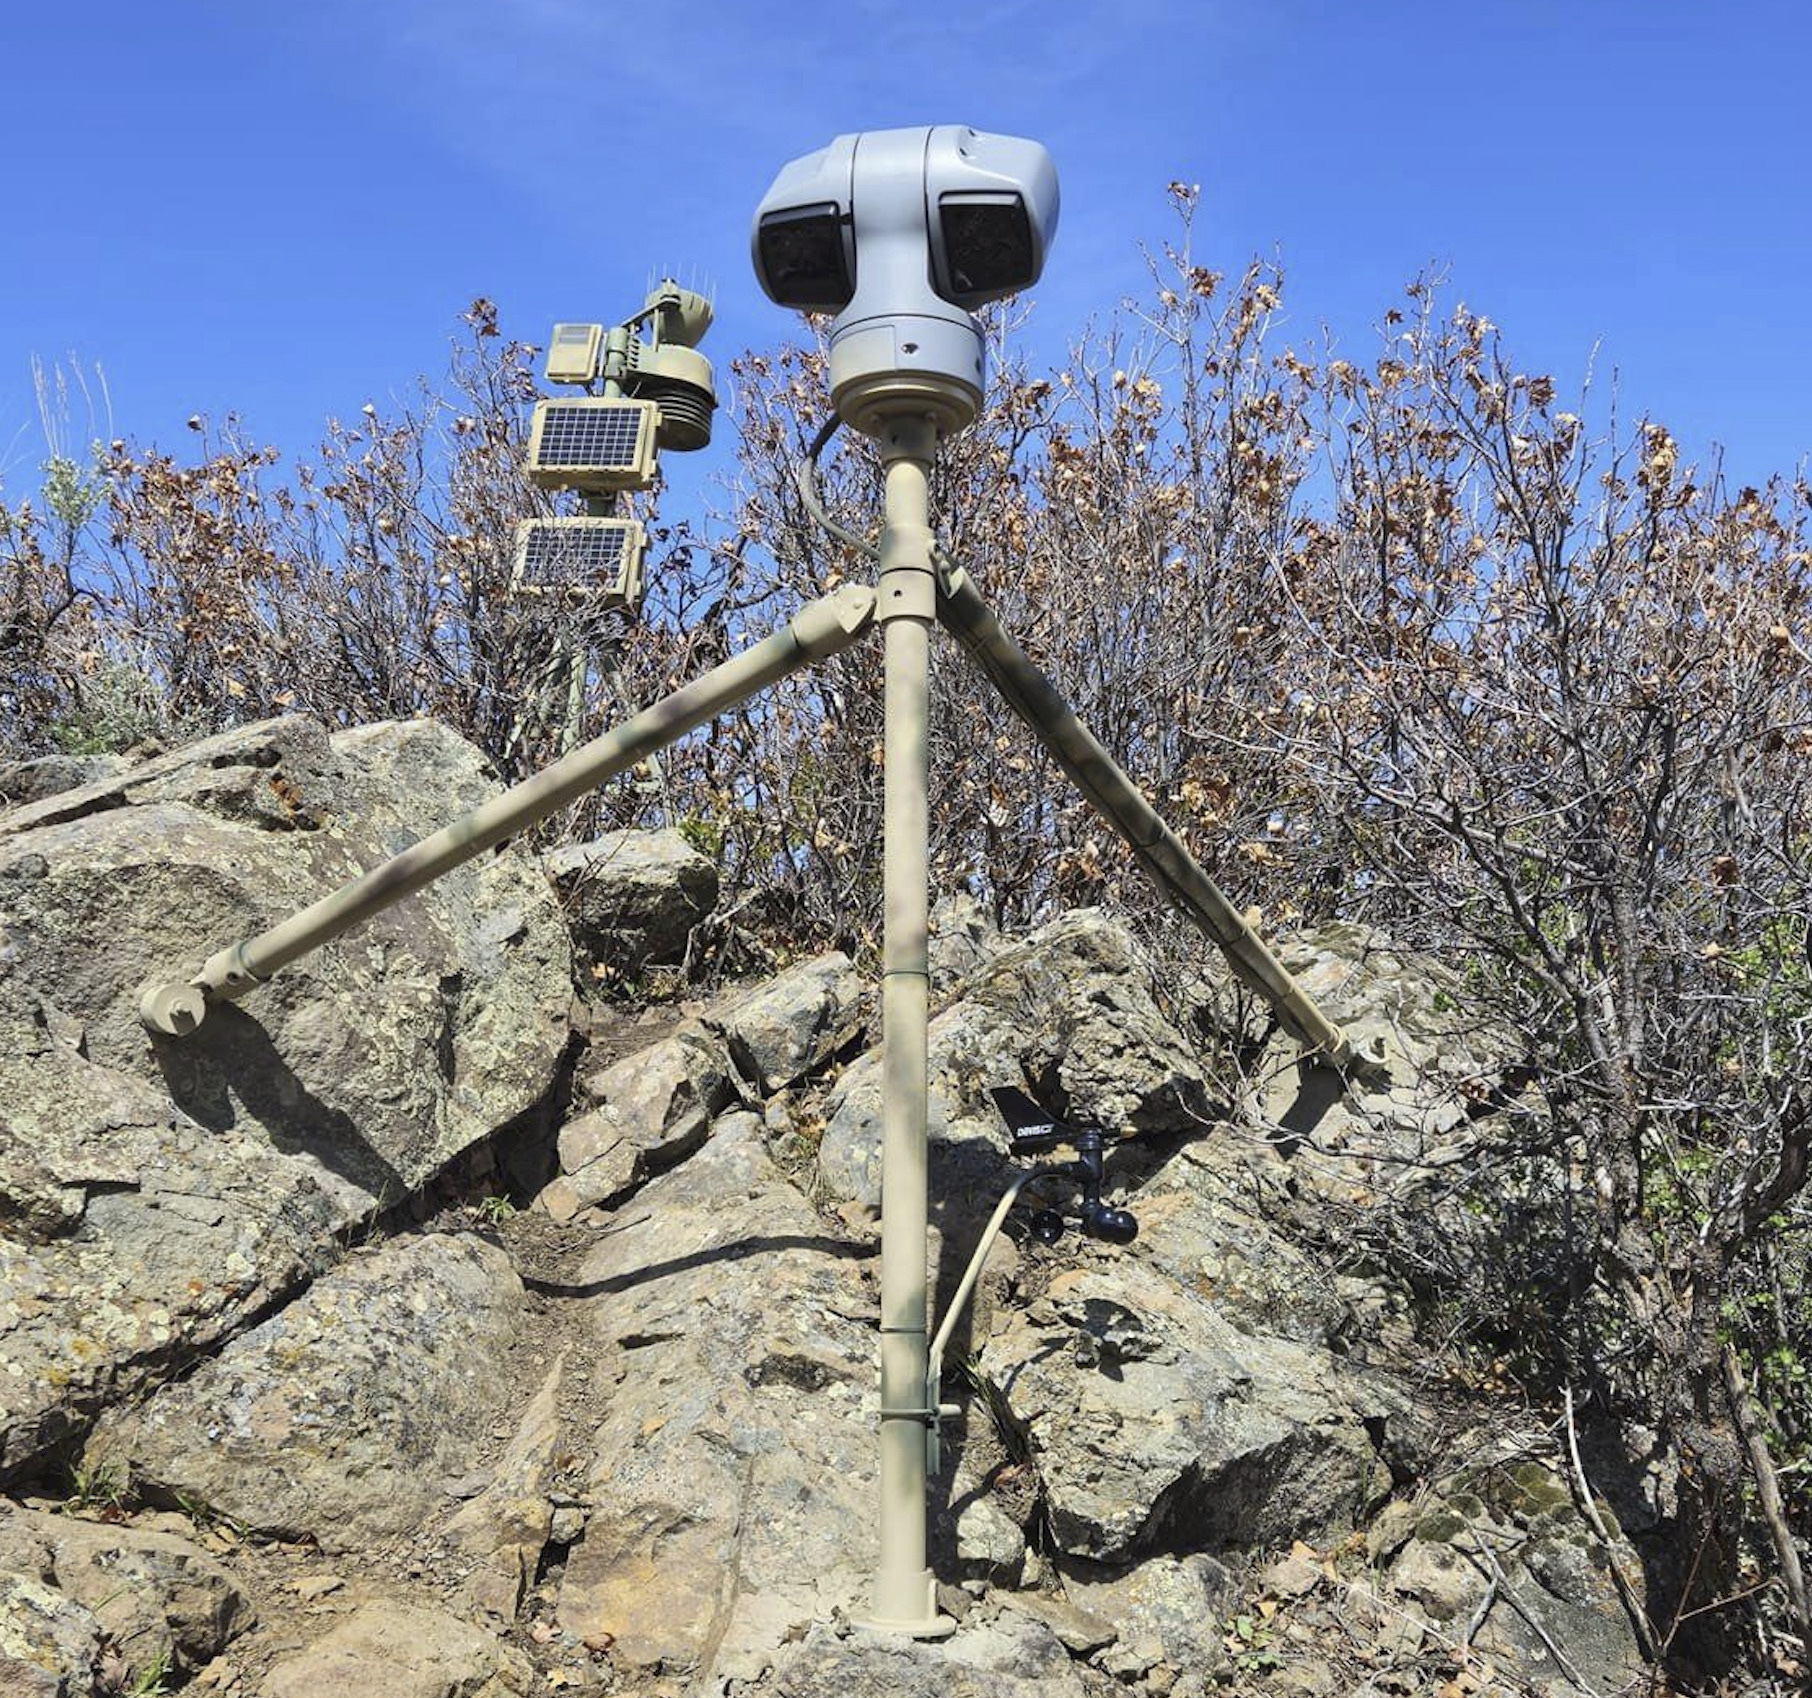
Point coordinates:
[[539, 89]]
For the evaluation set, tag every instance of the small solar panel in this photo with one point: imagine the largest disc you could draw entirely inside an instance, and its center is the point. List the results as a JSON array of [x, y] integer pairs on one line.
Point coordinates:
[[581, 559], [596, 445], [590, 436]]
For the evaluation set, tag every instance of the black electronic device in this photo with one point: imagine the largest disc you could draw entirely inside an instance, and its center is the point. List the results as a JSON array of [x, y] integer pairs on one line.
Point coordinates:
[[1032, 1130]]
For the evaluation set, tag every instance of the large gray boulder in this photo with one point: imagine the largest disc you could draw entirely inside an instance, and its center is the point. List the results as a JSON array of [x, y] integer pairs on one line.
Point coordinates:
[[155, 1596], [50, 775], [632, 898], [155, 1194], [647, 1111], [792, 1023], [401, 1650], [1440, 1064], [1504, 1548], [1157, 1425], [344, 1417], [1169, 1610], [1006, 1655]]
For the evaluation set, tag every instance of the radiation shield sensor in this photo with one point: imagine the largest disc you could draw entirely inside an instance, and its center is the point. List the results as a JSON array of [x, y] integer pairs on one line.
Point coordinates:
[[903, 234], [651, 356], [600, 561], [678, 380]]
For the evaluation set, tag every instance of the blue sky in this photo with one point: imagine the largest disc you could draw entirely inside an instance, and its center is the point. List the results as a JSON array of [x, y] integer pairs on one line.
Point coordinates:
[[281, 210]]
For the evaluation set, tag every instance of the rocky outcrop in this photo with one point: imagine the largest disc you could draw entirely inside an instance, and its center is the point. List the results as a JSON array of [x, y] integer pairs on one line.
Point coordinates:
[[631, 899], [157, 1195], [625, 1441], [344, 1417]]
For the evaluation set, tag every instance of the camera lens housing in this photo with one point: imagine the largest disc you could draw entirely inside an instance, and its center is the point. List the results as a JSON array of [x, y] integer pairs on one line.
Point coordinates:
[[803, 256], [903, 234]]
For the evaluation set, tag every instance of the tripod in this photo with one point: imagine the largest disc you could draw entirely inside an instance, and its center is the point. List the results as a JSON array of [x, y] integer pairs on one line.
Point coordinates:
[[916, 587], [903, 234]]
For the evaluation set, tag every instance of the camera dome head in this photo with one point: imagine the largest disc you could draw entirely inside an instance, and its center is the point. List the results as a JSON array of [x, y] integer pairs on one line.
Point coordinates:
[[903, 234]]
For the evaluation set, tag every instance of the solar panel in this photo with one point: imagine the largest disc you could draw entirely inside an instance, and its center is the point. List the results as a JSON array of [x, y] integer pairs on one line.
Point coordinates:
[[581, 559], [590, 436], [595, 445]]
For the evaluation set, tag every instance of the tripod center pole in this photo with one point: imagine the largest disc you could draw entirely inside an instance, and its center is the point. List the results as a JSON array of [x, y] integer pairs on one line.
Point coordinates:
[[904, 234], [905, 1594]]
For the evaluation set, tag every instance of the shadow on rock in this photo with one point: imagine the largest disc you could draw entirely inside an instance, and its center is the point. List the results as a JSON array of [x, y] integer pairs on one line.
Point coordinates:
[[231, 1065], [740, 1250]]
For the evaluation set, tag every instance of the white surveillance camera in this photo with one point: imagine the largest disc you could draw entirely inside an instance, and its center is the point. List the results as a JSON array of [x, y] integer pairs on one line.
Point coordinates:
[[903, 234]]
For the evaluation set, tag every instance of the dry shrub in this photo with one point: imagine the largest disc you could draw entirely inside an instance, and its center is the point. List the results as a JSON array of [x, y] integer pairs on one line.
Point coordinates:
[[1404, 639]]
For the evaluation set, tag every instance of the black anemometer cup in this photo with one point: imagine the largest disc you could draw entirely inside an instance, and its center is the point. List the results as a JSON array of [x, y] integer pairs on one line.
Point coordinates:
[[1103, 1221], [1033, 1131]]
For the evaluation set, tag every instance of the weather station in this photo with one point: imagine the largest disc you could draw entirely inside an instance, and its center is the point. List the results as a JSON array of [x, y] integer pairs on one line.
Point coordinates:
[[645, 391], [902, 235]]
